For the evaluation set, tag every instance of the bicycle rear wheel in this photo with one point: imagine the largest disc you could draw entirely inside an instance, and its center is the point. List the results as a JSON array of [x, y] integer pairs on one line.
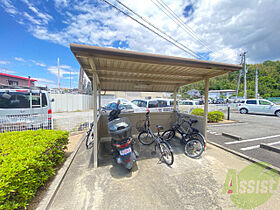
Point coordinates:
[[145, 138], [166, 153], [89, 141], [194, 148], [168, 135]]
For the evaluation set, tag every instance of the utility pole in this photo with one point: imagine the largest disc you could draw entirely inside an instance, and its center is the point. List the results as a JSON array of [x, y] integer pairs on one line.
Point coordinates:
[[58, 75], [245, 71], [238, 83], [256, 85]]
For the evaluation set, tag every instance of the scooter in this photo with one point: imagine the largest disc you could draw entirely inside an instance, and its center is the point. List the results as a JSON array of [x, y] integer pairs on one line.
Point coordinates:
[[122, 142]]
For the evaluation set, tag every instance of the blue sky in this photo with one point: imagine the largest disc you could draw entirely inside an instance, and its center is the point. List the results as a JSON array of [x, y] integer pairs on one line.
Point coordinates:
[[33, 34]]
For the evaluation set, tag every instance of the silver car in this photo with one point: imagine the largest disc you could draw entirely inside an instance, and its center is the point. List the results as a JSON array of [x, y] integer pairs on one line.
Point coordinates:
[[261, 106]]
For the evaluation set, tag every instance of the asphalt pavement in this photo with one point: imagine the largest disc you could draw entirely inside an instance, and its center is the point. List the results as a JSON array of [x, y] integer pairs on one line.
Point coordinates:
[[187, 184], [253, 129]]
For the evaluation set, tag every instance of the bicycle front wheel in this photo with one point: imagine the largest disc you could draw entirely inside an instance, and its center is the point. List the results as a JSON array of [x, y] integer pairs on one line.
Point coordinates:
[[200, 137], [194, 148], [166, 153], [145, 138], [168, 135]]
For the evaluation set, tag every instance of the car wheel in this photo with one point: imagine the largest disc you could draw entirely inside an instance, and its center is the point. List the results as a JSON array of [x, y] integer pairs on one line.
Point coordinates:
[[277, 113], [243, 111]]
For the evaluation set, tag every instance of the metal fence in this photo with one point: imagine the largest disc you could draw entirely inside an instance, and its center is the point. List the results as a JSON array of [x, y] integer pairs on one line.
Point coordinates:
[[25, 122], [76, 102], [211, 107]]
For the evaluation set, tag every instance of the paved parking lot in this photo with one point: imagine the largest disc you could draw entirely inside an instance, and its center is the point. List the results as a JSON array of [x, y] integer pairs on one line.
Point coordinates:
[[253, 129], [188, 184]]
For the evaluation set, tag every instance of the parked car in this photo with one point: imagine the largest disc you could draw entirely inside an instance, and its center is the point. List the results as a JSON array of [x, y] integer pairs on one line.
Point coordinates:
[[126, 107], [189, 102], [155, 105], [22, 109], [258, 106]]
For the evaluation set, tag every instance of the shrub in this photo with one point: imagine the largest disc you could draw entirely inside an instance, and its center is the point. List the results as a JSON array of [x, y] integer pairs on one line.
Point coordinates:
[[27, 160], [197, 111], [214, 116]]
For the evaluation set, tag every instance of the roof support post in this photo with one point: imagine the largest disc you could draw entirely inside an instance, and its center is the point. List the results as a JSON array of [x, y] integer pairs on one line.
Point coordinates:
[[206, 106], [175, 101], [99, 100], [95, 145]]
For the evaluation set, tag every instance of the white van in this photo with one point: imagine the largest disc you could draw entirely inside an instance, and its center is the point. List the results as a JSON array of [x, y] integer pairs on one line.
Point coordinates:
[[23, 109], [155, 105]]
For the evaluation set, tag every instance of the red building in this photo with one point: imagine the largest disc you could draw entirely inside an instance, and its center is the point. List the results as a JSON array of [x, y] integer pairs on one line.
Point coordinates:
[[7, 80]]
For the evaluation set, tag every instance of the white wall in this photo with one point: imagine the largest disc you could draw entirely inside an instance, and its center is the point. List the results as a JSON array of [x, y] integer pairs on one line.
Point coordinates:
[[75, 102]]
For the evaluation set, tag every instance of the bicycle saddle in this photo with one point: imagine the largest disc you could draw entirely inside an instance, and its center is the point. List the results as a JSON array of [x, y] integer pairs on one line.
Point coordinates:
[[159, 127], [193, 121]]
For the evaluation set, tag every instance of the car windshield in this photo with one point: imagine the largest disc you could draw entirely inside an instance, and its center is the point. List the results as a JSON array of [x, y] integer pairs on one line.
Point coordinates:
[[14, 100]]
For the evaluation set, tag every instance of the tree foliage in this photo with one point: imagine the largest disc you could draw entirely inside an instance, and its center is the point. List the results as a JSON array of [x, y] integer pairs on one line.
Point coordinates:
[[269, 81]]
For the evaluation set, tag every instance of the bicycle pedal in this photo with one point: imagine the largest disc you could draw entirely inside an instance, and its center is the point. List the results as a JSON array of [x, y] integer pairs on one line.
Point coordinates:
[[159, 162]]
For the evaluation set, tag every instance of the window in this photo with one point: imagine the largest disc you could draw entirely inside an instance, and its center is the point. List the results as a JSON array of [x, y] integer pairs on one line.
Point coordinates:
[[251, 102], [262, 102], [127, 106], [135, 102], [14, 100], [36, 100], [13, 83], [140, 103], [162, 103], [153, 104], [44, 100]]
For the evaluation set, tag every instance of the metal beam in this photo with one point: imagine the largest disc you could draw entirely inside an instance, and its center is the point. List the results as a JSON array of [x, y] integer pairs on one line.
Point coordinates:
[[148, 72], [142, 79], [95, 145], [175, 101], [206, 106], [93, 68]]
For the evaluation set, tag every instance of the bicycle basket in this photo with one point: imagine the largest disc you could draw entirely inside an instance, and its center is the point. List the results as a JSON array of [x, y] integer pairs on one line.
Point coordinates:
[[140, 125]]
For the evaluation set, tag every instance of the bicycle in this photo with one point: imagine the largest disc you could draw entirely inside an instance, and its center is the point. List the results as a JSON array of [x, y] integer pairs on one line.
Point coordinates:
[[90, 136], [195, 142], [146, 137]]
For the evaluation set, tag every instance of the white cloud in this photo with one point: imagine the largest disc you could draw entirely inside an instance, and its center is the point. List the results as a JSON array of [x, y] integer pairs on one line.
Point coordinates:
[[19, 59], [39, 63], [63, 70], [8, 6], [229, 27], [45, 82], [61, 3], [4, 62], [7, 71]]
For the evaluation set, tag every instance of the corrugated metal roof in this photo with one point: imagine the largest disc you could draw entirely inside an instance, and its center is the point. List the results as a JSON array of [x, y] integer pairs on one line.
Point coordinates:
[[122, 70]]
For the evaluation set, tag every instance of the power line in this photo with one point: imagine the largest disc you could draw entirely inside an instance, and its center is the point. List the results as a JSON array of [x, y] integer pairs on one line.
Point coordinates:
[[195, 54], [174, 42], [180, 22]]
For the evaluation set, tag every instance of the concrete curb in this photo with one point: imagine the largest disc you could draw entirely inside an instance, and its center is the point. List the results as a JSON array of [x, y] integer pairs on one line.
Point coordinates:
[[270, 148], [232, 136], [253, 160], [52, 190]]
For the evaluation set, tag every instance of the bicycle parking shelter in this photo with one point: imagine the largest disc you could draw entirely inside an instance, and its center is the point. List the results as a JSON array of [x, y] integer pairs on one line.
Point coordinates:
[[121, 70]]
